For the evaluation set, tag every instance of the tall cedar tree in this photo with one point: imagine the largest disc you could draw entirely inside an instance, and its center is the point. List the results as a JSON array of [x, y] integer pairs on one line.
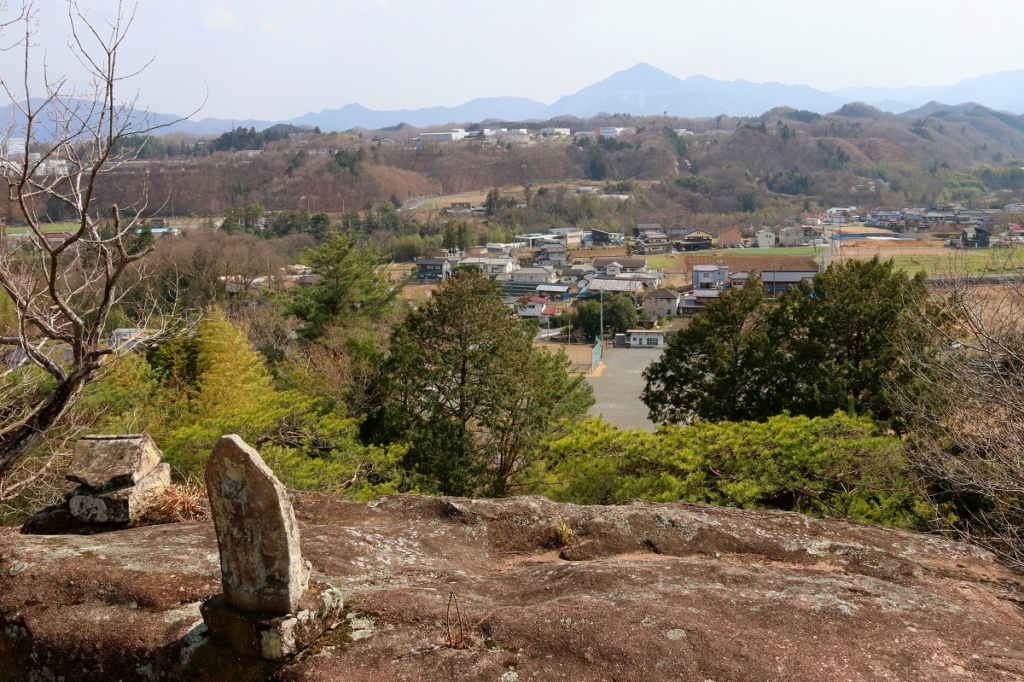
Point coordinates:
[[464, 387], [831, 344], [351, 283]]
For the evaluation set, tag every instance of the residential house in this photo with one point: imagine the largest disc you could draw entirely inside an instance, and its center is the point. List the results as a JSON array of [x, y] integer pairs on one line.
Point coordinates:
[[643, 228], [551, 254], [969, 217], [433, 269], [535, 275], [653, 243], [537, 307], [766, 239], [693, 240], [662, 302], [535, 240], [570, 236], [708, 283], [729, 237], [810, 219], [603, 238], [792, 236], [675, 231], [777, 282], [710, 277], [497, 249], [554, 292], [500, 268], [646, 338], [974, 238], [593, 287], [572, 276], [614, 265]]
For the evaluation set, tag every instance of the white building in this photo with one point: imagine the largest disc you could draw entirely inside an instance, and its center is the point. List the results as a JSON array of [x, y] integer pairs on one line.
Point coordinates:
[[535, 239], [766, 239], [538, 307], [537, 275], [450, 136], [646, 338], [500, 268], [521, 137], [555, 132], [568, 235]]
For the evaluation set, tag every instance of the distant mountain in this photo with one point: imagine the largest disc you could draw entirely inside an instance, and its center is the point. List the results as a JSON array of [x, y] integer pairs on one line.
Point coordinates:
[[9, 115], [936, 107], [640, 90], [646, 90], [1002, 91], [477, 110]]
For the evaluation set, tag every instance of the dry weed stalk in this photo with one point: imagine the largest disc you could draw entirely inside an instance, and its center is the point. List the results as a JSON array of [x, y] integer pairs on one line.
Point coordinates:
[[454, 638], [966, 413]]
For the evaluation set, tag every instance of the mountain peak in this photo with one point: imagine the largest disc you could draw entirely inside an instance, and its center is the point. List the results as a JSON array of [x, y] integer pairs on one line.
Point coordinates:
[[640, 77]]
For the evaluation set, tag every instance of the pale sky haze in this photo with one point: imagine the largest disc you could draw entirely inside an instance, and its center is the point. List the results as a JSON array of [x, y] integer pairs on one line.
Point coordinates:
[[269, 59]]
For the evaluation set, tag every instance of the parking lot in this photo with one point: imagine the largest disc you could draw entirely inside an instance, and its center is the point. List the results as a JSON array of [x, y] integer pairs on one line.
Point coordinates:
[[618, 384]]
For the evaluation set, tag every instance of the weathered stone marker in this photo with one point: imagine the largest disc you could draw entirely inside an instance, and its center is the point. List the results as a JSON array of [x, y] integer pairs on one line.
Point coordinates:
[[261, 562], [269, 608]]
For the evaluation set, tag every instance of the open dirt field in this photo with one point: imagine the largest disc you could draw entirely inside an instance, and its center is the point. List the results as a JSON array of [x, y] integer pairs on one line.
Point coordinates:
[[579, 354], [612, 251]]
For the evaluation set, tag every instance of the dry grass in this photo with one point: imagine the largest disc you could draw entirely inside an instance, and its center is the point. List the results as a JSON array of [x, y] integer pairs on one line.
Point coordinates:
[[180, 503], [418, 293]]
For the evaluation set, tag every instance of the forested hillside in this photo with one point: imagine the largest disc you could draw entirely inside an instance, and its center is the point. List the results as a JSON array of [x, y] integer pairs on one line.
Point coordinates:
[[784, 153]]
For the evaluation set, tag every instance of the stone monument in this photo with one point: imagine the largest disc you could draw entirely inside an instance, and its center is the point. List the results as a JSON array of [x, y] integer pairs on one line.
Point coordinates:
[[120, 477], [270, 607]]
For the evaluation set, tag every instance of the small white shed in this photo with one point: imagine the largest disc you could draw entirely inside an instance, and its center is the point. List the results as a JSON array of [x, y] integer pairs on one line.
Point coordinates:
[[646, 338]]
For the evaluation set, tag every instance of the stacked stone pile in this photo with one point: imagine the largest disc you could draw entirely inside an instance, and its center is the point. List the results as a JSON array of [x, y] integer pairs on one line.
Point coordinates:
[[120, 477]]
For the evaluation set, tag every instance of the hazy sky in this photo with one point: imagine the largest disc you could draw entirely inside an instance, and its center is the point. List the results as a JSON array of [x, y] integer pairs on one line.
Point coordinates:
[[271, 59]]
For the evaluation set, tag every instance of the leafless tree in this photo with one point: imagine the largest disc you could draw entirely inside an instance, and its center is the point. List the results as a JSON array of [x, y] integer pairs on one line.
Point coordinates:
[[966, 414], [62, 142]]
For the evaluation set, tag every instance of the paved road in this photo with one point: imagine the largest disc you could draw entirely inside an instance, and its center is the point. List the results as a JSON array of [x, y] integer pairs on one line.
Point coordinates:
[[618, 385]]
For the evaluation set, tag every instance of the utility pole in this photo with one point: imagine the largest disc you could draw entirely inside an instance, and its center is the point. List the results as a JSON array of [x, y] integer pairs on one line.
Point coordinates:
[[600, 334]]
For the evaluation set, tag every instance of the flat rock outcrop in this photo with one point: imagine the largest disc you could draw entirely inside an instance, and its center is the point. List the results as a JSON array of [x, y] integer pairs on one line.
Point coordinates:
[[641, 591]]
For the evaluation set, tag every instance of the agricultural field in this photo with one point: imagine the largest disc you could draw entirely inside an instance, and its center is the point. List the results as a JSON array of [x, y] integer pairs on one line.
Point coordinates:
[[935, 259], [52, 227]]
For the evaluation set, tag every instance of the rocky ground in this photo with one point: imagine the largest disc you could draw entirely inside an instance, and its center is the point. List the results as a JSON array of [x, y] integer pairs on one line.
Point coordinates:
[[545, 591]]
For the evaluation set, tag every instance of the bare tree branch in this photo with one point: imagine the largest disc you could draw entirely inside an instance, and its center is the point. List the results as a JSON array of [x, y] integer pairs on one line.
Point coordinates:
[[64, 286]]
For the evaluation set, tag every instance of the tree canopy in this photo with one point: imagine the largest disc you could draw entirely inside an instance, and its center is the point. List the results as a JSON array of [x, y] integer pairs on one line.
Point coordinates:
[[837, 466], [825, 345], [464, 387], [351, 283]]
